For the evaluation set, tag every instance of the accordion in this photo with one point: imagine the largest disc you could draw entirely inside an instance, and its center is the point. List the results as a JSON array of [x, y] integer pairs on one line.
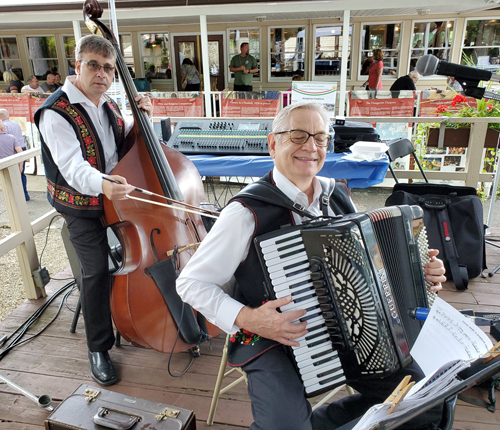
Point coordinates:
[[359, 278]]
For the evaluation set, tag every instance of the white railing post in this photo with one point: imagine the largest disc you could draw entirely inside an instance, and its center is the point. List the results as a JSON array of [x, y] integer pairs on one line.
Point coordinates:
[[17, 210], [474, 159]]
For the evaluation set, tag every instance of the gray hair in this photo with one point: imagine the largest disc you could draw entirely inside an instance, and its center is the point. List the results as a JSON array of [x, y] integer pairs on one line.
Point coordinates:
[[4, 114], [96, 45], [414, 74], [280, 123], [30, 78]]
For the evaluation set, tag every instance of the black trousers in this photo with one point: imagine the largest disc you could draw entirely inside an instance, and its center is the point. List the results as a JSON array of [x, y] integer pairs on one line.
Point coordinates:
[[192, 87], [88, 236], [242, 88], [278, 401]]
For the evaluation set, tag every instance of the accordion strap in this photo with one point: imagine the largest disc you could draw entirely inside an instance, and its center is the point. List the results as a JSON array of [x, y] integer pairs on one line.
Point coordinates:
[[266, 192]]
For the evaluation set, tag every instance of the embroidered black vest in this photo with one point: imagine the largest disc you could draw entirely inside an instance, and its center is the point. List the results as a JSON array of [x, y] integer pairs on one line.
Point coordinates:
[[60, 194], [250, 286]]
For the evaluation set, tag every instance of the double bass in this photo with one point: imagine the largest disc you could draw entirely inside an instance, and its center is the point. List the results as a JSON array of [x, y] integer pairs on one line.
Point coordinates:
[[145, 230]]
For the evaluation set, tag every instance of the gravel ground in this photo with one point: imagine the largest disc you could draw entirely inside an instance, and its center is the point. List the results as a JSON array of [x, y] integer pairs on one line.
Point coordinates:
[[54, 258]]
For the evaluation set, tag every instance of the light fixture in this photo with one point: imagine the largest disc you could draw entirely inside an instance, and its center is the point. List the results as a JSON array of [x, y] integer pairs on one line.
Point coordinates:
[[423, 12], [260, 18]]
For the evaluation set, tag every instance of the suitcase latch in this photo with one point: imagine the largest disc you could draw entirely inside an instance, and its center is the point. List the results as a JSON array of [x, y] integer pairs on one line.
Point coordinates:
[[168, 413], [91, 394]]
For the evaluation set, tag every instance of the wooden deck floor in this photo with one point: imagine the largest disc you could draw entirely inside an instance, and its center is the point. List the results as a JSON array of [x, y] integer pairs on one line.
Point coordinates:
[[55, 363]]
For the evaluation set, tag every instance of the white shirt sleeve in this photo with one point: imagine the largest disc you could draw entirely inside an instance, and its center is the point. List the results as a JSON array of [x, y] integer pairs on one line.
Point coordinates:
[[213, 265], [64, 147]]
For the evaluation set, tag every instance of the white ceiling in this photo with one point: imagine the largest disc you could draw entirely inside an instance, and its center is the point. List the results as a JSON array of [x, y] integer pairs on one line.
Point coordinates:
[[62, 16]]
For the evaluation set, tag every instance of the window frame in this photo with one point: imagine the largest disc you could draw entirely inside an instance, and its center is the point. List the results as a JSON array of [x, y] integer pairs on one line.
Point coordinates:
[[30, 60], [451, 48], [230, 79], [361, 50], [476, 18], [6, 36], [313, 57], [306, 41], [170, 53]]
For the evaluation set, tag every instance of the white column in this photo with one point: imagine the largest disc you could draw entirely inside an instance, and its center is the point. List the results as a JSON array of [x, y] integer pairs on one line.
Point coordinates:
[[114, 29], [345, 59], [77, 30], [205, 67]]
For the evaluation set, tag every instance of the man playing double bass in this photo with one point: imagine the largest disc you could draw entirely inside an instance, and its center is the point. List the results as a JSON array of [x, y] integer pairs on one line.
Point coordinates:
[[83, 135], [298, 145]]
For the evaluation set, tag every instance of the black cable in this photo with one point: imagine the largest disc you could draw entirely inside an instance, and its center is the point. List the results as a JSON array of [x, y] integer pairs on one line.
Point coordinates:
[[47, 238], [178, 375], [23, 328]]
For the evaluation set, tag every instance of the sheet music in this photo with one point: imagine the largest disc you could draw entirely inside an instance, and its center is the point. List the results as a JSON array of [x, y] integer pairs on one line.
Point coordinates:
[[448, 335]]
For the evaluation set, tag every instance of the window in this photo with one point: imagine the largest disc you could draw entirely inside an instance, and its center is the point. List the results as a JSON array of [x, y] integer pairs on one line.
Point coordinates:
[[250, 36], [42, 55], [156, 56], [482, 43], [287, 51], [386, 37], [69, 54], [431, 38], [128, 55], [328, 51], [9, 57]]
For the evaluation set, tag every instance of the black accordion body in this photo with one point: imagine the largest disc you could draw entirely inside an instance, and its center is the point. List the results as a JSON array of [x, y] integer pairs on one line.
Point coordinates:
[[359, 278]]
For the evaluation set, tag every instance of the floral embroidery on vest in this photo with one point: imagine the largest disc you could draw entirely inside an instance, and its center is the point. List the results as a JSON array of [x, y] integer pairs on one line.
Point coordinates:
[[68, 197], [117, 113], [244, 337]]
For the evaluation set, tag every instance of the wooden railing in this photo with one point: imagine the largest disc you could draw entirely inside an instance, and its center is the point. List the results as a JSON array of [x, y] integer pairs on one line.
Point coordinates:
[[23, 231]]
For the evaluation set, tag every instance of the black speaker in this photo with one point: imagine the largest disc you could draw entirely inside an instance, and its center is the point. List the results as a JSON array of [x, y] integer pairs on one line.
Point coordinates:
[[166, 129]]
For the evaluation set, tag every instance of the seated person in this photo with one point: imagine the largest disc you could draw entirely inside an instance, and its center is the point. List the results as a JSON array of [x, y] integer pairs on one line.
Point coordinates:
[[151, 74], [32, 86], [406, 82], [14, 85], [58, 80], [261, 334], [50, 85]]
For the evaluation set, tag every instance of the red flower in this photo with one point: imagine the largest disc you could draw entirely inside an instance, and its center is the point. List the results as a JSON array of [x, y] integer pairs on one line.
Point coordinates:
[[79, 120], [91, 160], [232, 338], [120, 122], [453, 103], [88, 140], [94, 201], [71, 199], [62, 104], [442, 109], [459, 98], [489, 106], [247, 332]]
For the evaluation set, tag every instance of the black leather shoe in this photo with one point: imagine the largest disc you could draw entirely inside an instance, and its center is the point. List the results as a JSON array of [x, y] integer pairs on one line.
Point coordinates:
[[102, 368]]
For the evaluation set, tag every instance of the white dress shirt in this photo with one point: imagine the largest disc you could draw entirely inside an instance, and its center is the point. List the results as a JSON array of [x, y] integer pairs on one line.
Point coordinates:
[[222, 251], [60, 138]]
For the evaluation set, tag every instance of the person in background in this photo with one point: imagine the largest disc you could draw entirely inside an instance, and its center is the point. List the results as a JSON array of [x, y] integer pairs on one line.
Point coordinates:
[[151, 74], [287, 98], [57, 81], [32, 86], [454, 85], [83, 135], [8, 144], [260, 333], [374, 81], [50, 85], [406, 82], [243, 66], [14, 129], [365, 67], [190, 75], [14, 84]]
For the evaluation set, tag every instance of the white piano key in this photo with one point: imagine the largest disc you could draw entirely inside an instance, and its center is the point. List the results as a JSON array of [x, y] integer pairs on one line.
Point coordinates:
[[272, 241], [307, 360], [308, 349], [279, 254], [312, 371], [317, 380], [317, 387]]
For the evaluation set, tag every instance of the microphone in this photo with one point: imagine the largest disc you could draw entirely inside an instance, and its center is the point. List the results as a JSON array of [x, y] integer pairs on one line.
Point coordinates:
[[468, 77]]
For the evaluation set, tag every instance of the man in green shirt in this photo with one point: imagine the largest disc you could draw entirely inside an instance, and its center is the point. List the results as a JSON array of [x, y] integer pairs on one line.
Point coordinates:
[[243, 66]]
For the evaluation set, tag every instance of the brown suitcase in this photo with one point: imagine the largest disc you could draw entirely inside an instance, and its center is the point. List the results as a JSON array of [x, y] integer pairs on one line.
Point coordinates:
[[90, 408]]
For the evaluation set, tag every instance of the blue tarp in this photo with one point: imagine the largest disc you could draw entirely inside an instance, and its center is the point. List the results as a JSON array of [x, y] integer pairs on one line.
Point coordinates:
[[360, 174]]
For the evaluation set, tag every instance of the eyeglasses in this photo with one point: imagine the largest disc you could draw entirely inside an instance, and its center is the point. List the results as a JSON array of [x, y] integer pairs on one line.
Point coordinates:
[[94, 66], [300, 137]]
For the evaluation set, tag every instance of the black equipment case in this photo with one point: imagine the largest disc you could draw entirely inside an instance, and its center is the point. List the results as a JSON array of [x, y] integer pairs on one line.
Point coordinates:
[[90, 408], [352, 132]]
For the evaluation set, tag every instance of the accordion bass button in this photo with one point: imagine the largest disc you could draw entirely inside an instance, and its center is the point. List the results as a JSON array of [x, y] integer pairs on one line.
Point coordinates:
[[333, 330], [324, 299], [316, 276], [318, 284], [321, 292]]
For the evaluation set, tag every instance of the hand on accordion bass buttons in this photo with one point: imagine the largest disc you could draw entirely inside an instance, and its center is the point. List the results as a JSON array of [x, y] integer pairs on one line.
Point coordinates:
[[267, 322]]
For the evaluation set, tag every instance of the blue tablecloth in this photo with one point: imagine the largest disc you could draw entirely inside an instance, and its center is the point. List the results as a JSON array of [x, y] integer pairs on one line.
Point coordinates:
[[361, 174]]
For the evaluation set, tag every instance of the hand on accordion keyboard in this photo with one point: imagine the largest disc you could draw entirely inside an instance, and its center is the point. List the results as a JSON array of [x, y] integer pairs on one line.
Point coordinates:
[[434, 270], [267, 322]]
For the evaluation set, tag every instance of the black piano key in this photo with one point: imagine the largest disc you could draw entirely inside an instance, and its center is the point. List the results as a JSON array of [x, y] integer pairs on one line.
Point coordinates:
[[321, 354], [329, 372]]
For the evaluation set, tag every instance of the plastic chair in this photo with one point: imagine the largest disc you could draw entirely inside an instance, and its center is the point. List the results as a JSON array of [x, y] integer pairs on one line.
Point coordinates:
[[399, 148], [218, 390]]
